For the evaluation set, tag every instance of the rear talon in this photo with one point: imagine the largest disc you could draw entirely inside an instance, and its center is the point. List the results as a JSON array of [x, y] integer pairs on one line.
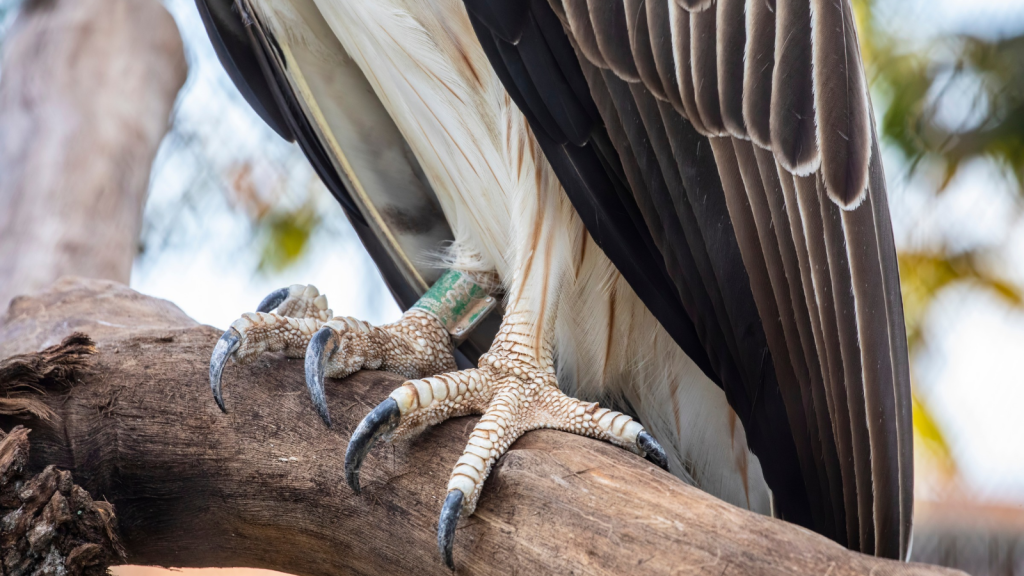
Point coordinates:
[[273, 300], [652, 450], [299, 302]]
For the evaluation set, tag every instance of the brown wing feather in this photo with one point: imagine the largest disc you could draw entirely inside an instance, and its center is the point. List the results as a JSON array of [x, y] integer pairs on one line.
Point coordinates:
[[852, 383], [841, 103], [731, 40], [660, 29], [764, 192], [609, 20], [756, 235], [704, 63], [898, 345], [578, 14], [680, 23], [776, 181], [758, 68], [695, 5], [832, 361], [819, 405], [640, 44], [879, 384], [792, 118]]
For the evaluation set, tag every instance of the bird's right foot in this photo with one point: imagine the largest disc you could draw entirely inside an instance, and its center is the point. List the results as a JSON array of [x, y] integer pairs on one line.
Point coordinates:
[[297, 321]]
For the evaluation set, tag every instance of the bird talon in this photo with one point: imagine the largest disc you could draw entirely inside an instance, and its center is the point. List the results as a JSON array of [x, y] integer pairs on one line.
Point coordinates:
[[273, 300], [382, 420], [446, 524], [226, 346], [321, 347], [652, 449], [257, 332]]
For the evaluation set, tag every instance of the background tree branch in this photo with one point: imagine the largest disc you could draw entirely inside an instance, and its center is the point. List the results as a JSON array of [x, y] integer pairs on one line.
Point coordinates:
[[85, 96], [263, 485]]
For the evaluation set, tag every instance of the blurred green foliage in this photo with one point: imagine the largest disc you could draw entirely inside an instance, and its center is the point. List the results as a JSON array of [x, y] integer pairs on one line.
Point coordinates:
[[283, 235], [284, 213], [917, 87], [941, 103], [925, 274]]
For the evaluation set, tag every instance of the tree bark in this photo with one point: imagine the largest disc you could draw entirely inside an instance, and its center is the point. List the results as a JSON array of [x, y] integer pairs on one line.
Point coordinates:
[[85, 95], [50, 526], [263, 485]]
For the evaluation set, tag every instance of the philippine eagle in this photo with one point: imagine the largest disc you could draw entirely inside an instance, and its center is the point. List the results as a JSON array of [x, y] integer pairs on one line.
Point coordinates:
[[679, 203]]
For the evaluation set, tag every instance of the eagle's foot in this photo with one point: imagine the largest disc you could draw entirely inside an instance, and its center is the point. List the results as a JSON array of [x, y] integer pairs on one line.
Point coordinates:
[[302, 325], [417, 345], [514, 397]]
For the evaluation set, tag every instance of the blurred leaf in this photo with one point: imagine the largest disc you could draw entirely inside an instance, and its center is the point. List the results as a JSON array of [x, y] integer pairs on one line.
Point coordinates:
[[254, 193], [284, 236], [914, 88], [929, 433], [924, 274]]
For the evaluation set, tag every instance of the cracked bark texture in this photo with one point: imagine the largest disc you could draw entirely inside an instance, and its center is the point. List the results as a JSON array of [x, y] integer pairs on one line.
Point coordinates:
[[50, 526], [263, 485], [85, 96]]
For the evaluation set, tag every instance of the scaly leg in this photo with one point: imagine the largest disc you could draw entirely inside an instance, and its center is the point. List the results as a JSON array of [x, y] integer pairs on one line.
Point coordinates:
[[516, 391]]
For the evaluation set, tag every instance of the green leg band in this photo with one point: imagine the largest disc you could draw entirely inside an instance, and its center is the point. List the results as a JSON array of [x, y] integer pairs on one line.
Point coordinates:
[[458, 303]]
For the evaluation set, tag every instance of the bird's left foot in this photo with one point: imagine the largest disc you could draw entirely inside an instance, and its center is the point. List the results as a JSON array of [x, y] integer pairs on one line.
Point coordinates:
[[515, 396]]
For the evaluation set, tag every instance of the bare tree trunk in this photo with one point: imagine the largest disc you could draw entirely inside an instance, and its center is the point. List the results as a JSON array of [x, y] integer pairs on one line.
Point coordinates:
[[263, 485], [85, 95]]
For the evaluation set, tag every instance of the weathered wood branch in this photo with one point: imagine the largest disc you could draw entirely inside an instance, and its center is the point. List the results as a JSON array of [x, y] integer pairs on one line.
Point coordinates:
[[263, 485], [48, 525]]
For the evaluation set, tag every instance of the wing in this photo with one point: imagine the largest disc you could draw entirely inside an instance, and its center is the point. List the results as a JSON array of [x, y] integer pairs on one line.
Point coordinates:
[[731, 142]]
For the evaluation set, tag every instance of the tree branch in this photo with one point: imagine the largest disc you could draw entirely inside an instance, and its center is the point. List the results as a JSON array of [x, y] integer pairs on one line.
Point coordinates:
[[263, 485], [85, 96]]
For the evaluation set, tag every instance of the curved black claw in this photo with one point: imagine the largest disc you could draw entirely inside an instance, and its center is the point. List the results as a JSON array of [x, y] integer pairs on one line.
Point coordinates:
[[273, 300], [446, 526], [225, 347], [653, 450], [320, 349], [382, 420]]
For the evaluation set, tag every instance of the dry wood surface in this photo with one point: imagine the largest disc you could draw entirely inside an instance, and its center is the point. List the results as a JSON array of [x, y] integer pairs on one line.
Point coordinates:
[[263, 485], [49, 523]]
